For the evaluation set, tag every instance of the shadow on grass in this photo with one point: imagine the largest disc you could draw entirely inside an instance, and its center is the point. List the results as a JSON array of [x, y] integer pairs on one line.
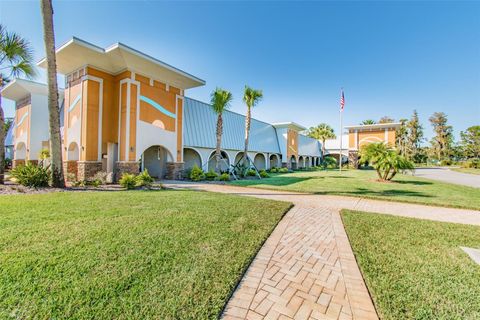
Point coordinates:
[[384, 193], [414, 182], [274, 181]]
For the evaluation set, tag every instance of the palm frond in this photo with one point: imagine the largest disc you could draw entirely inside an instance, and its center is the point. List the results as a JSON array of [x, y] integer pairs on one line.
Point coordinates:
[[15, 54], [252, 97], [220, 100]]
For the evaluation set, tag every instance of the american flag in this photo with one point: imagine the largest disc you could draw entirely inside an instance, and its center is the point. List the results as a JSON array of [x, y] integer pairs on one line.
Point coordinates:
[[342, 102]]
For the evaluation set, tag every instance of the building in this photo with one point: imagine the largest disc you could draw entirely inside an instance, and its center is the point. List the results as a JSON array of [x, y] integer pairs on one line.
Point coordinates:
[[30, 132], [364, 134], [125, 111]]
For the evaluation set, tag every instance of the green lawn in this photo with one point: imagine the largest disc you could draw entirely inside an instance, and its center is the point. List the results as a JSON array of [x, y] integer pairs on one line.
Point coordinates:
[[127, 255], [414, 268], [467, 170], [362, 183]]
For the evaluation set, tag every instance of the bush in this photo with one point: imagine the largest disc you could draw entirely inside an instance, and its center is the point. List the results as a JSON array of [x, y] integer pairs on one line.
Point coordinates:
[[251, 173], [329, 162], [100, 178], [144, 179], [197, 174], [264, 174], [224, 177], [128, 181], [472, 163], [446, 162], [283, 170], [211, 175], [31, 175], [273, 170]]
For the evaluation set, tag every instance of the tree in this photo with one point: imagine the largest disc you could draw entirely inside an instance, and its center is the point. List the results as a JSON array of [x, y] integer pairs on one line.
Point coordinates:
[[53, 107], [384, 159], [322, 132], [386, 119], [220, 101], [7, 124], [401, 139], [470, 142], [443, 140], [367, 122], [415, 135], [251, 97], [16, 59]]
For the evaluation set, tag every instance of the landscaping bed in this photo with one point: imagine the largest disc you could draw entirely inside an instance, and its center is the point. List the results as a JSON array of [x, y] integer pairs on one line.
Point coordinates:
[[415, 269], [127, 255]]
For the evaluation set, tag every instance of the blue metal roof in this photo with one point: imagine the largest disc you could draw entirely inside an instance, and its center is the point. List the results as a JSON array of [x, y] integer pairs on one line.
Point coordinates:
[[200, 124], [308, 146]]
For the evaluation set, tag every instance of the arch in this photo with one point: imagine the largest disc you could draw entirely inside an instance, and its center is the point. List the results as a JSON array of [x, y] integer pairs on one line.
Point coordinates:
[[73, 153], [20, 151], [293, 162], [259, 161], [191, 157], [307, 162], [301, 162], [155, 159], [370, 139], [274, 161], [224, 165], [238, 157]]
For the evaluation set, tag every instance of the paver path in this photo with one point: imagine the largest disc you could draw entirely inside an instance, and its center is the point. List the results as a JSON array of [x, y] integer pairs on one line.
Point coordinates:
[[306, 269], [450, 176]]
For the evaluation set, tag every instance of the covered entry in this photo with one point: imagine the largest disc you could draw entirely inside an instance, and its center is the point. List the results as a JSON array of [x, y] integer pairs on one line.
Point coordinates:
[[224, 161], [259, 161], [191, 158], [293, 162], [155, 159], [274, 161]]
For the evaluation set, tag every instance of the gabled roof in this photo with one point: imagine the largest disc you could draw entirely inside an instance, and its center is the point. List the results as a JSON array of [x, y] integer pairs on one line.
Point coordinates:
[[289, 125], [20, 88], [118, 57], [200, 123]]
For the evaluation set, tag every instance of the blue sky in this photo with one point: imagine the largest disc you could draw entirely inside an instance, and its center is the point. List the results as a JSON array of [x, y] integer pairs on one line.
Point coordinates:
[[391, 57]]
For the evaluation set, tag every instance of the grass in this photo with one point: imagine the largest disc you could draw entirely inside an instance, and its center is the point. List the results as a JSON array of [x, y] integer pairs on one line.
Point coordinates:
[[127, 255], [414, 268], [467, 170], [362, 183]]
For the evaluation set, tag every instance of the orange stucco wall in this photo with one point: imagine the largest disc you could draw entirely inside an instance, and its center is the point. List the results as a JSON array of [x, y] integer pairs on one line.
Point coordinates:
[[365, 137], [292, 144], [180, 129], [24, 127]]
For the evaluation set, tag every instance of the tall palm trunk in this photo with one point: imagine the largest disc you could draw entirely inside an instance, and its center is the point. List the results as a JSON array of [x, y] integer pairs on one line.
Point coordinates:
[[2, 136], [219, 142], [53, 108], [247, 135]]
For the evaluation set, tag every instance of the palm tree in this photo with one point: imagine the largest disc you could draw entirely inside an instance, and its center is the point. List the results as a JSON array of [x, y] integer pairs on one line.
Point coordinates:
[[322, 132], [220, 101], [384, 159], [367, 122], [53, 108], [15, 59], [251, 97]]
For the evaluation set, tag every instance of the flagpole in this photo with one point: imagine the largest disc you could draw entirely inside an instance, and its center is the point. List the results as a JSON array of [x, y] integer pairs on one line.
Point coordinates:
[[341, 130]]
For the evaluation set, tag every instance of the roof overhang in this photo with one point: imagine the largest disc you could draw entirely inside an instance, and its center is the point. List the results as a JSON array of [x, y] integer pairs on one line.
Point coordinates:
[[117, 58], [377, 126], [20, 88], [289, 125]]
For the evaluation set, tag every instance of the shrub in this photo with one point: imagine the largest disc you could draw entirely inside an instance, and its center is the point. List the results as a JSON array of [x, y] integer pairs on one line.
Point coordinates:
[[329, 162], [197, 174], [128, 181], [211, 175], [31, 175], [472, 163], [224, 177], [144, 179], [251, 173], [100, 178], [283, 170], [273, 170], [446, 162], [264, 174]]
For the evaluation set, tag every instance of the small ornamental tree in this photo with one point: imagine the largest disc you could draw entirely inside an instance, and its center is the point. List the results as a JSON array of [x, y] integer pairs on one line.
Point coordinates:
[[385, 160]]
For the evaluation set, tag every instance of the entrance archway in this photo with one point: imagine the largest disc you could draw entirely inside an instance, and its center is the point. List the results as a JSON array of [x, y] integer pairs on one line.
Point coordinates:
[[259, 161], [293, 162], [155, 159], [73, 153], [238, 157], [301, 162], [191, 158], [274, 161], [224, 164]]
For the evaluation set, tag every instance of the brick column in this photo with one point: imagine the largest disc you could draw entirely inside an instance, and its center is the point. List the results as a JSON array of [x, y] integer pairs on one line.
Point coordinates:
[[174, 171], [18, 162], [86, 170], [353, 158], [122, 167]]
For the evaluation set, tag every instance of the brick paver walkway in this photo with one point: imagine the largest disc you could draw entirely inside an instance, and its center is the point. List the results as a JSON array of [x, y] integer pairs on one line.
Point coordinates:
[[306, 269]]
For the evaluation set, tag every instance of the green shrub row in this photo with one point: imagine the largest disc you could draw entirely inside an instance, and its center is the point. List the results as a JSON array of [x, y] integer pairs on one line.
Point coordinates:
[[131, 181], [31, 175]]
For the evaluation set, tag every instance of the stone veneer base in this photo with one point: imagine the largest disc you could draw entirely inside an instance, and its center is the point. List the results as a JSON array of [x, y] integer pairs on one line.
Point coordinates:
[[174, 171], [122, 167], [86, 170], [70, 168]]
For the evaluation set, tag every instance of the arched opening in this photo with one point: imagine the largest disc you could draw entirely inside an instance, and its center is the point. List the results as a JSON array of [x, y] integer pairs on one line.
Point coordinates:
[[191, 158], [301, 162], [274, 161], [307, 162], [238, 157], [73, 153], [259, 161], [224, 161], [21, 151], [155, 159], [293, 162]]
